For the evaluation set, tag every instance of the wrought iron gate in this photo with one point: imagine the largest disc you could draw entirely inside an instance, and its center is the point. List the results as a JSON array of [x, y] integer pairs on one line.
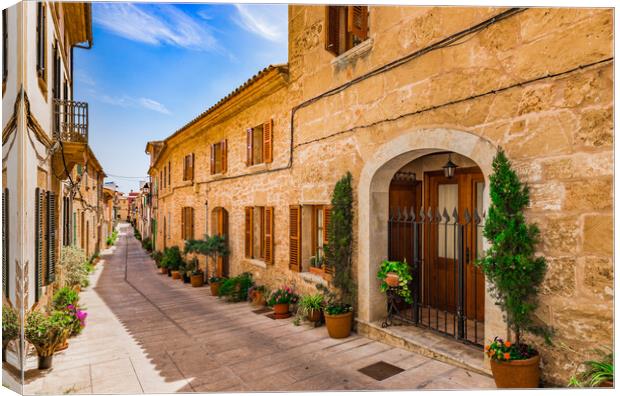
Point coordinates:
[[448, 288]]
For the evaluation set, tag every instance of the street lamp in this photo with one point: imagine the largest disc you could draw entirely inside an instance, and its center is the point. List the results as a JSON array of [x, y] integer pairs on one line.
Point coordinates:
[[449, 167]]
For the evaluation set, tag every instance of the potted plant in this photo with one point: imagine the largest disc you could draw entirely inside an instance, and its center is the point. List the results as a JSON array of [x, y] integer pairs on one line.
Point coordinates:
[[156, 255], [10, 327], [256, 294], [66, 300], [214, 285], [281, 299], [235, 289], [194, 273], [172, 259], [46, 333], [396, 275], [310, 306], [212, 246], [514, 274], [598, 372], [339, 305]]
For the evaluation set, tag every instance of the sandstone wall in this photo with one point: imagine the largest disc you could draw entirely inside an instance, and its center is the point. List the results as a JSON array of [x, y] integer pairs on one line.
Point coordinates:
[[539, 84]]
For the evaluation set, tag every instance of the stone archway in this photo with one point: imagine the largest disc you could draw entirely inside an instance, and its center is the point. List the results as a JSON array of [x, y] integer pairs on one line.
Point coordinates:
[[373, 191]]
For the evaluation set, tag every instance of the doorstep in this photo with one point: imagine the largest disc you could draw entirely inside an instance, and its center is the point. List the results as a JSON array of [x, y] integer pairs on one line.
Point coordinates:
[[426, 343]]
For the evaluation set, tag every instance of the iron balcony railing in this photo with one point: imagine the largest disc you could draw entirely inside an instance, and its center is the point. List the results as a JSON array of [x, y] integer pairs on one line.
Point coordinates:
[[71, 121]]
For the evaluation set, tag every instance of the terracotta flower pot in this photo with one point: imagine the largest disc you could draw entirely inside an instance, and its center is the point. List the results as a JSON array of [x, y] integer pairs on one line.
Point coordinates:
[[176, 275], [392, 279], [339, 326], [516, 373], [196, 280], [258, 299], [314, 315], [45, 362], [317, 271], [281, 309], [163, 271], [215, 288]]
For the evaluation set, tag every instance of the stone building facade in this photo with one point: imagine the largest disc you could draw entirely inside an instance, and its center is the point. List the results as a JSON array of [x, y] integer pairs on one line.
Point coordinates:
[[394, 98]]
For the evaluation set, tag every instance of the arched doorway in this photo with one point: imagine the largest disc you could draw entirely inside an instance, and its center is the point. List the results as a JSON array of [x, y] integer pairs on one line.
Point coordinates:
[[435, 225], [219, 226], [374, 211]]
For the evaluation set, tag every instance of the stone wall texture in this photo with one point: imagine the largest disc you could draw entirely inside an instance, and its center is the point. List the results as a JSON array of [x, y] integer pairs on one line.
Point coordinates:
[[538, 83]]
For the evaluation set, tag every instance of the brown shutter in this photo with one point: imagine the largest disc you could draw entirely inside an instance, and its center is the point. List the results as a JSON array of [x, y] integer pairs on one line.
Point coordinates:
[[326, 218], [212, 159], [182, 223], [357, 21], [268, 141], [192, 171], [248, 232], [268, 241], [249, 147], [262, 232], [295, 238], [50, 273], [38, 243], [191, 223], [332, 29], [224, 156]]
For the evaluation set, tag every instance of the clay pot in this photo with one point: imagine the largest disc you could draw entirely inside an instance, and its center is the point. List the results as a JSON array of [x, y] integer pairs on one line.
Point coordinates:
[[196, 280], [281, 309], [163, 271], [45, 362], [392, 279], [516, 373], [62, 346], [258, 299], [606, 384], [176, 275], [339, 326], [317, 271], [215, 288], [314, 315]]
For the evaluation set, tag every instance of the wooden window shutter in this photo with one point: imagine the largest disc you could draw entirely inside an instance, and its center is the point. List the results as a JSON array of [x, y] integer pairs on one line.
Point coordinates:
[[332, 29], [182, 223], [38, 243], [268, 141], [268, 242], [51, 238], [191, 176], [295, 238], [249, 230], [224, 156], [191, 223], [357, 21], [249, 146], [212, 160], [326, 218], [5, 242], [169, 177], [185, 168]]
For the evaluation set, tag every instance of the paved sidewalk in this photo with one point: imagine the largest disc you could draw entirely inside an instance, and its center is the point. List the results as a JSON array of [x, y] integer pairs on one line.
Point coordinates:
[[149, 333]]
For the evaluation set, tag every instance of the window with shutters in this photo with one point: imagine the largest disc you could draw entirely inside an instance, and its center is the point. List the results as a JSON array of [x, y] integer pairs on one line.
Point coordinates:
[[259, 233], [219, 154], [188, 167], [41, 41], [320, 219], [345, 27], [260, 144], [308, 237], [187, 223]]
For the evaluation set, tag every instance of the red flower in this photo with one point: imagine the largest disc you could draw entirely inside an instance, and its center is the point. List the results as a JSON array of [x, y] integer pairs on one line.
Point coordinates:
[[507, 356]]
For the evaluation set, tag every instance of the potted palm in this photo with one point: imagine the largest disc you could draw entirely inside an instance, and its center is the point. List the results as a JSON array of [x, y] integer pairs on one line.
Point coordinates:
[[515, 274], [10, 327], [46, 333], [310, 306]]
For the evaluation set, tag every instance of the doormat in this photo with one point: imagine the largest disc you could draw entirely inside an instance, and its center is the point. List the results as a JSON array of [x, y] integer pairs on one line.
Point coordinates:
[[275, 316], [262, 310], [380, 370]]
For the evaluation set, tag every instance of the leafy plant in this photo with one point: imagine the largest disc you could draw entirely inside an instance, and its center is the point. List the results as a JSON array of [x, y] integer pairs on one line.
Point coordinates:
[[111, 240], [340, 236], [147, 244], [157, 257], [510, 264], [507, 351], [63, 297], [401, 268], [252, 291], [332, 303], [211, 246], [596, 373], [10, 325], [235, 289], [46, 332], [172, 258], [73, 271], [283, 295], [309, 303], [78, 318]]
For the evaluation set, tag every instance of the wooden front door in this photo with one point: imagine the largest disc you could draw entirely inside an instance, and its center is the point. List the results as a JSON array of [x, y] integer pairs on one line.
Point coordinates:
[[404, 197], [219, 226], [462, 192]]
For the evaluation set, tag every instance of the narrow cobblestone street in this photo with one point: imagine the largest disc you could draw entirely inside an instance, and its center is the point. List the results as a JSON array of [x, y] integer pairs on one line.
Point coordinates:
[[149, 333]]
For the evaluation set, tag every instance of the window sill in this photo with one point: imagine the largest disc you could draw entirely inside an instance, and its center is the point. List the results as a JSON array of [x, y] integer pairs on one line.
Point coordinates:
[[257, 167], [353, 54], [312, 278], [257, 263]]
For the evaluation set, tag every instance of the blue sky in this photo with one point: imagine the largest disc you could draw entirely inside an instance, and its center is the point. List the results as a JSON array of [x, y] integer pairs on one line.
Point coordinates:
[[155, 66]]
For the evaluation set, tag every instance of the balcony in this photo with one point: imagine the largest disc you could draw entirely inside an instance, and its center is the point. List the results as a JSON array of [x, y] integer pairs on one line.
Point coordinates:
[[70, 121]]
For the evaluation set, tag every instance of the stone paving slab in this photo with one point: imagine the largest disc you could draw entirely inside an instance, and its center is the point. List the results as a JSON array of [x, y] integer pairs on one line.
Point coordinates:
[[149, 333]]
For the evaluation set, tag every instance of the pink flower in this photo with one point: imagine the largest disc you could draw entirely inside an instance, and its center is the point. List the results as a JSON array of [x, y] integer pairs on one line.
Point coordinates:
[[70, 307]]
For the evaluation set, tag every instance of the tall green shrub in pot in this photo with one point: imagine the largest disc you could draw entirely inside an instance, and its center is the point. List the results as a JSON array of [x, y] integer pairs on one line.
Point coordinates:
[[514, 273]]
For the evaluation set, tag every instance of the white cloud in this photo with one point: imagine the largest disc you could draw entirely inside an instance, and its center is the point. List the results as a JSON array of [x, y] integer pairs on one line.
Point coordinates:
[[267, 21], [154, 24], [128, 101]]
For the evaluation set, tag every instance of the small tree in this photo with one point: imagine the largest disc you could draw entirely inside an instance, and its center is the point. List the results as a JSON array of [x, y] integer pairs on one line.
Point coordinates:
[[211, 246], [340, 238], [510, 265]]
